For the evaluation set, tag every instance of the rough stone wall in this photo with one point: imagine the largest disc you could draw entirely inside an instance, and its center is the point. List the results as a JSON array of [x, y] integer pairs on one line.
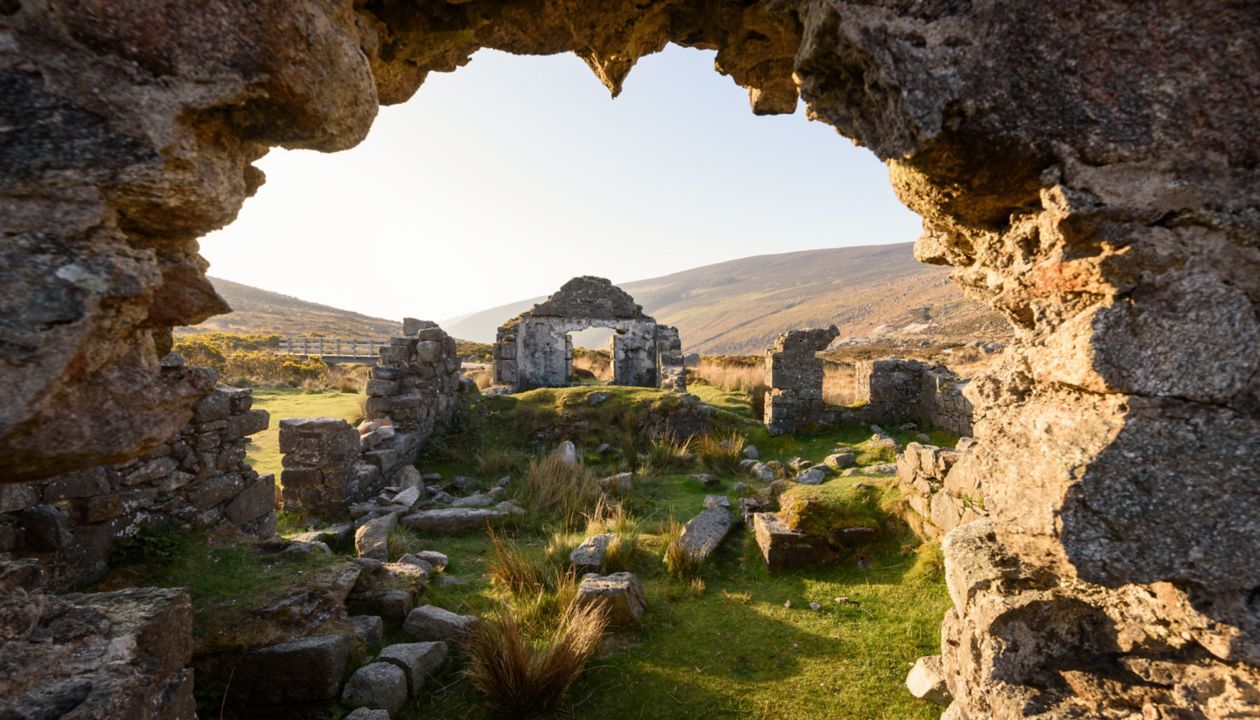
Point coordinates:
[[196, 479], [416, 384], [534, 349], [669, 359], [896, 390], [940, 487], [1089, 169], [794, 374]]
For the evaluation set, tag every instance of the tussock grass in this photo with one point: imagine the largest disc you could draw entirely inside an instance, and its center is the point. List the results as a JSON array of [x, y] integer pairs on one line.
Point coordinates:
[[495, 462], [403, 540], [721, 453], [510, 568], [678, 562], [552, 486], [520, 678], [667, 455]]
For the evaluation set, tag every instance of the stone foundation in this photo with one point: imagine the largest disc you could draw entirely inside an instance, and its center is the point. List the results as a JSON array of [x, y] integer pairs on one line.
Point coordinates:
[[940, 486], [196, 479]]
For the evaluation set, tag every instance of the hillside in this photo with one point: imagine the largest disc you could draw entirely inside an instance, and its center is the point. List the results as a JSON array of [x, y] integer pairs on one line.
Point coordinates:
[[263, 311], [741, 306]]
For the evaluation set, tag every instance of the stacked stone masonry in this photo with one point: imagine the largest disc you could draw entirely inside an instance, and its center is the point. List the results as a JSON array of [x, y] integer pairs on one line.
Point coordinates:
[[416, 384], [196, 479], [535, 348], [1087, 169], [794, 374], [941, 487], [895, 390]]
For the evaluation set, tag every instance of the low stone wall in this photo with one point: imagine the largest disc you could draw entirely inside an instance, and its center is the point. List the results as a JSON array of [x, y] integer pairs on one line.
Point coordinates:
[[794, 374], [940, 486], [416, 384], [896, 390], [197, 479]]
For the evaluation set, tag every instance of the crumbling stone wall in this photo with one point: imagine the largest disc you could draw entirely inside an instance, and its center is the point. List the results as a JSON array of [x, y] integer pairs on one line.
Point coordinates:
[[416, 384], [534, 349], [940, 486], [669, 359], [1089, 170], [196, 479], [794, 376], [896, 390]]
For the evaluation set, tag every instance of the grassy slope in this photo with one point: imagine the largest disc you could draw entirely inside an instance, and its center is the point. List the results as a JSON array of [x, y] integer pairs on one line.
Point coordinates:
[[740, 306], [262, 311], [264, 448]]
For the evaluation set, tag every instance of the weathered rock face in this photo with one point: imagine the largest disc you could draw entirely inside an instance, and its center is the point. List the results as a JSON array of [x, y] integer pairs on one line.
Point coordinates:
[[1091, 171]]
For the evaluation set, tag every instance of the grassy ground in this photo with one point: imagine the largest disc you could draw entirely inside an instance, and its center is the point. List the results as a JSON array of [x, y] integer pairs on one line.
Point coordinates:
[[264, 448], [725, 646]]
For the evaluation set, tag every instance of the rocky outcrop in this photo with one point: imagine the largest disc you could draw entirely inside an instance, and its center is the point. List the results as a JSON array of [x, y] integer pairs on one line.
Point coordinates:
[[1089, 170], [121, 654]]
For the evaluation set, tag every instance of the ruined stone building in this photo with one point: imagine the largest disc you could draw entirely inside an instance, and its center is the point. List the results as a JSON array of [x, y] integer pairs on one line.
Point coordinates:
[[535, 348], [1090, 170]]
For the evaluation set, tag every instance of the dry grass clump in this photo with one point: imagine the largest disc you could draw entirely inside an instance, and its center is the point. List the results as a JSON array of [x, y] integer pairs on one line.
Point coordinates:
[[521, 678], [552, 485], [482, 377], [510, 568], [738, 375], [403, 540], [499, 461], [667, 455], [721, 454], [678, 562], [612, 518]]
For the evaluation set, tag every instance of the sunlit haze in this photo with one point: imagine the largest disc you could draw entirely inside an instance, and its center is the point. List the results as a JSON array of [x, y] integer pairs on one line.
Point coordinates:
[[500, 181]]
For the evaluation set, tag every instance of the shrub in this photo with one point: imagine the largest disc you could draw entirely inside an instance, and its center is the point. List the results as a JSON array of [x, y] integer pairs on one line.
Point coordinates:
[[520, 678]]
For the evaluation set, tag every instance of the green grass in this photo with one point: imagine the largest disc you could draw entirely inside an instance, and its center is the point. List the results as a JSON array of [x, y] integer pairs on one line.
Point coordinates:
[[263, 452]]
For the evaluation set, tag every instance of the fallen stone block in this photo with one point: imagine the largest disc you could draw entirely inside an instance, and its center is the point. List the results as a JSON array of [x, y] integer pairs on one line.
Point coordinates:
[[416, 660], [620, 593], [367, 714], [449, 520], [429, 623], [377, 685], [618, 484], [703, 533], [783, 548], [811, 476], [479, 500], [368, 629], [301, 671], [926, 681], [589, 556], [438, 560], [840, 460], [371, 540]]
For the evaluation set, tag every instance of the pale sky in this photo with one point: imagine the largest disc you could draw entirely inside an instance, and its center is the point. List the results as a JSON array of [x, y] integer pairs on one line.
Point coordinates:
[[500, 181]]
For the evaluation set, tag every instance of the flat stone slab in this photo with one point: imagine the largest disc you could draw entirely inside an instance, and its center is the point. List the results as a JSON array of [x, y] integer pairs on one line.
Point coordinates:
[[812, 476], [703, 533], [449, 520], [840, 460], [371, 540], [783, 548], [377, 685], [416, 660], [621, 593], [438, 560], [589, 556], [473, 501], [429, 623], [618, 484]]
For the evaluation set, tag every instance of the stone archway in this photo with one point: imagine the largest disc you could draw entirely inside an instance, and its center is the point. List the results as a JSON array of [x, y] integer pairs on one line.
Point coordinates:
[[1091, 170]]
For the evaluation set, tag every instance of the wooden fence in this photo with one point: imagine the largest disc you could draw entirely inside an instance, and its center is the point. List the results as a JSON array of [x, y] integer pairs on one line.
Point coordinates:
[[332, 347]]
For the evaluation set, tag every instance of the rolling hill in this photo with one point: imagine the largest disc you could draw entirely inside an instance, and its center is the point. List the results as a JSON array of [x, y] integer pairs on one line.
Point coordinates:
[[740, 307], [876, 293], [262, 311]]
